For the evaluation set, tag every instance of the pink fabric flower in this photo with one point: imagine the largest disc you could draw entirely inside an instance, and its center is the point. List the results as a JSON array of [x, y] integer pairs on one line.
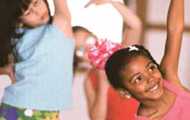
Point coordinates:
[[100, 51]]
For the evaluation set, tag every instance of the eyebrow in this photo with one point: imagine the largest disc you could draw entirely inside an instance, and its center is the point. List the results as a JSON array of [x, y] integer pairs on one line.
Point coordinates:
[[148, 64]]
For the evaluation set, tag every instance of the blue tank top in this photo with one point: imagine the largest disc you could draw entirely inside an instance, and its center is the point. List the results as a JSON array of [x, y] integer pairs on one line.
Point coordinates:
[[44, 70]]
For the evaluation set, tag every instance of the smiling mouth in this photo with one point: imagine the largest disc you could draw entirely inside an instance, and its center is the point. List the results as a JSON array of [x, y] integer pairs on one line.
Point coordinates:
[[154, 88]]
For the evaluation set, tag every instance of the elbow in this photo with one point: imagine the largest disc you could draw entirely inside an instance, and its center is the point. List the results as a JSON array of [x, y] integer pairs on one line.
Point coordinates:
[[137, 26], [177, 28]]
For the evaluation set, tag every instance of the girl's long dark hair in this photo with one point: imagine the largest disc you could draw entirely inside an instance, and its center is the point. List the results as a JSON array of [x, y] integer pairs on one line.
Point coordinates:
[[10, 12]]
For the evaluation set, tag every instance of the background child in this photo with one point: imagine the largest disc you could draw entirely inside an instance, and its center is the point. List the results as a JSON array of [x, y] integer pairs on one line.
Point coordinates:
[[104, 102]]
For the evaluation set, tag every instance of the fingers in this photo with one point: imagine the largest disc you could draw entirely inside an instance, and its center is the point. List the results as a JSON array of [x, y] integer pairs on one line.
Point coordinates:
[[89, 3]]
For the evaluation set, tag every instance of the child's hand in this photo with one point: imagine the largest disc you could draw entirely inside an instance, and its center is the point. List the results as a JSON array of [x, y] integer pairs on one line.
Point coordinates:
[[8, 70], [97, 2]]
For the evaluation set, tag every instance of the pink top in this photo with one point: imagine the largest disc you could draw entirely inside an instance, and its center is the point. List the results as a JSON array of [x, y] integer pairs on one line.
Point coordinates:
[[181, 107]]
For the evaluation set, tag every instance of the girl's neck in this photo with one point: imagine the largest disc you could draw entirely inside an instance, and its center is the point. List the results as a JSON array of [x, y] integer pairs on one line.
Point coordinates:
[[160, 106]]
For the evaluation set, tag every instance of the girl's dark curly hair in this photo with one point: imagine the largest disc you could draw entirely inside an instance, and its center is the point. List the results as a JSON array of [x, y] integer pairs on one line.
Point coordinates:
[[119, 59]]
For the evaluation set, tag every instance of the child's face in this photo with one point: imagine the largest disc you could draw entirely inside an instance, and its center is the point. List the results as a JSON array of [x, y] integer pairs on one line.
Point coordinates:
[[143, 79], [37, 14], [82, 38]]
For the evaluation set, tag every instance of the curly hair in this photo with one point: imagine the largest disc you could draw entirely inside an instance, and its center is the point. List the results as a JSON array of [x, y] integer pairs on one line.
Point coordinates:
[[121, 58]]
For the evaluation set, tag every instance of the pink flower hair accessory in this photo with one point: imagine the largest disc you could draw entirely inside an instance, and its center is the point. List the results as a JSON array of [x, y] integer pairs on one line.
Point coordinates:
[[100, 51]]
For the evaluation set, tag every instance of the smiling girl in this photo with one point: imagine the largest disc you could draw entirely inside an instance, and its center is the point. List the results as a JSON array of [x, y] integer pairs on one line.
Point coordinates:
[[156, 87]]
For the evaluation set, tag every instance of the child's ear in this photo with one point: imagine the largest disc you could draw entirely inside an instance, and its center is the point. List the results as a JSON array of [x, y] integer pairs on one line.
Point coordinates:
[[124, 93]]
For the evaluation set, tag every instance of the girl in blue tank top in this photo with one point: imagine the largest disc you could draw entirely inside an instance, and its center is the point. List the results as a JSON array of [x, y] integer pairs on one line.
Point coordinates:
[[43, 50]]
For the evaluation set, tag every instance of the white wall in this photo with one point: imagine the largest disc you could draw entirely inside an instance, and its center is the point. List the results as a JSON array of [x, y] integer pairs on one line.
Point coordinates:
[[157, 10]]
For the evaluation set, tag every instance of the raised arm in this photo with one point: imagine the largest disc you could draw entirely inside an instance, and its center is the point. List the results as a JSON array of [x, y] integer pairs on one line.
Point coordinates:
[[97, 96], [175, 26], [132, 24], [62, 17]]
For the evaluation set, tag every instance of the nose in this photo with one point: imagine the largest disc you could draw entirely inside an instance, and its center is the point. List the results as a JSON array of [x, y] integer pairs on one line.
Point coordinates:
[[150, 78]]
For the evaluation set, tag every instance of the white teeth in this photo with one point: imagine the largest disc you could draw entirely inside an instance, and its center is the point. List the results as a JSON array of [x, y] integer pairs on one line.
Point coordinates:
[[154, 88]]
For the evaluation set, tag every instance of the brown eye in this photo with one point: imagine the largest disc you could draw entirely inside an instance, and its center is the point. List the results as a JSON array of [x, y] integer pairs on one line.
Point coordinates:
[[137, 79], [152, 67]]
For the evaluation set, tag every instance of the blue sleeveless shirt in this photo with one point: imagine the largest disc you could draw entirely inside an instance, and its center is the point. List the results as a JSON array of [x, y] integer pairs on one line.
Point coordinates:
[[44, 70]]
